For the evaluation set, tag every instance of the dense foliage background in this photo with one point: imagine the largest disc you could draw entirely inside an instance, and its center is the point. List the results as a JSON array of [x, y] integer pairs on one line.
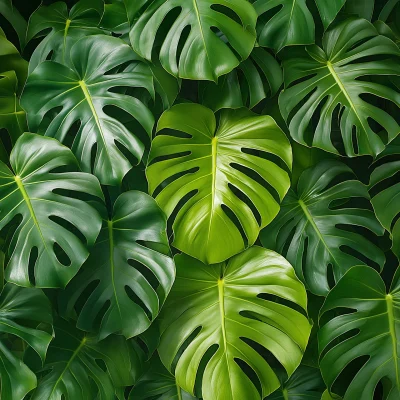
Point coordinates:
[[199, 199]]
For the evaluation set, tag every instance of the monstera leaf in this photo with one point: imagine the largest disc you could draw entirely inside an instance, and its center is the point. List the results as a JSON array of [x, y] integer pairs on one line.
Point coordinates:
[[226, 316], [21, 312], [83, 92], [34, 191], [305, 384], [158, 384], [339, 89], [316, 228], [359, 320], [385, 192], [204, 54], [79, 367], [256, 78], [65, 28], [288, 22], [222, 174], [17, 21], [13, 70], [132, 277]]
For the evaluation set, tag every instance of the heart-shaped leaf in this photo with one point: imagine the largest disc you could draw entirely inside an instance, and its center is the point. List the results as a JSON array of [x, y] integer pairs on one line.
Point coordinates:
[[337, 87], [229, 185], [318, 227], [83, 91], [40, 195], [220, 320], [198, 25], [359, 327], [66, 27], [135, 274]]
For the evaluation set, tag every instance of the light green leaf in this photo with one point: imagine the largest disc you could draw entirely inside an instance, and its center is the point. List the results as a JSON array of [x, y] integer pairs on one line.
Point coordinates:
[[359, 318], [83, 91], [204, 55], [30, 190], [224, 167], [335, 81], [318, 226], [130, 263], [233, 311]]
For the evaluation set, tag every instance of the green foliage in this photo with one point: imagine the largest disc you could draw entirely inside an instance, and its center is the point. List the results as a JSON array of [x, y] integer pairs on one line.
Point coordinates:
[[169, 140]]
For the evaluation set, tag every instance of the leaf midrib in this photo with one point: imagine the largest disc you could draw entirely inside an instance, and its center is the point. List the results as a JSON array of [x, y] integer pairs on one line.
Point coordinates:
[[392, 331], [27, 200], [310, 219]]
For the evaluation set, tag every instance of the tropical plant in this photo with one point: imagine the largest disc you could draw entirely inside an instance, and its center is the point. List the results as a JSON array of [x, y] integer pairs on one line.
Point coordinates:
[[199, 200]]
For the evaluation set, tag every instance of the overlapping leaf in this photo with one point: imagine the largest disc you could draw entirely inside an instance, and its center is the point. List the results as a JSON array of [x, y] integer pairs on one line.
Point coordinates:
[[258, 77], [130, 263], [66, 27], [360, 320], [290, 22], [204, 55], [220, 168], [339, 87], [83, 91], [318, 227], [35, 191], [79, 367], [21, 312], [229, 312]]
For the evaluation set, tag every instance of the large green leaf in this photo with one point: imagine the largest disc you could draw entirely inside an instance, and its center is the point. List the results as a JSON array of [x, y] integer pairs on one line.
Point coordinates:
[[65, 28], [78, 367], [305, 384], [21, 312], [234, 310], [158, 384], [13, 71], [83, 91], [360, 320], [128, 265], [385, 192], [256, 78], [290, 22], [203, 54], [221, 168], [339, 89], [318, 227], [36, 192], [17, 21]]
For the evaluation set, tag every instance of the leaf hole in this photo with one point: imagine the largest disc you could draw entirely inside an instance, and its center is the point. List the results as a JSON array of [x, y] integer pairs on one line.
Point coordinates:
[[68, 226], [173, 178], [232, 216], [61, 255], [242, 196], [251, 374], [33, 256], [146, 273], [137, 300]]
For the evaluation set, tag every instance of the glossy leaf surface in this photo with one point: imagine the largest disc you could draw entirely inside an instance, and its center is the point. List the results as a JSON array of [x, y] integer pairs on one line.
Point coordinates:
[[232, 311], [318, 226], [204, 55], [220, 167], [368, 327], [129, 265], [83, 91], [34, 191], [339, 86]]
